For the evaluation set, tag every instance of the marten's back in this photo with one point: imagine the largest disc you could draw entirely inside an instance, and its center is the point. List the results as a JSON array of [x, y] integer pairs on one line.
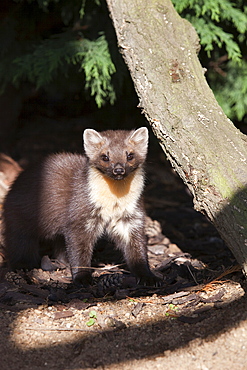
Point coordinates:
[[39, 196]]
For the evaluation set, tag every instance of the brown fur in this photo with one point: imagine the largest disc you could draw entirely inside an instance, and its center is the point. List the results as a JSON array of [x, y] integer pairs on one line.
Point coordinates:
[[82, 198]]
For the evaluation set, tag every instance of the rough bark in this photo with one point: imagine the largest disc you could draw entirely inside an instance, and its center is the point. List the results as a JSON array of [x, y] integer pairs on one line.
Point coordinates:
[[207, 151]]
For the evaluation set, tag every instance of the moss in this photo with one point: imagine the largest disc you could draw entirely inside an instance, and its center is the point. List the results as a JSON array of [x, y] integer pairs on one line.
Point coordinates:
[[221, 183], [226, 183]]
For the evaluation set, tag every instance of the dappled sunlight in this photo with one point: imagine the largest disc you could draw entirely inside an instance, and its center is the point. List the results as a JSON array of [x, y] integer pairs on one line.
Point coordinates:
[[37, 328], [130, 339]]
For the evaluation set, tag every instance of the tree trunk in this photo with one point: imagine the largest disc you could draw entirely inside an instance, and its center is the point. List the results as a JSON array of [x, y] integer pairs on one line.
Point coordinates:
[[207, 151]]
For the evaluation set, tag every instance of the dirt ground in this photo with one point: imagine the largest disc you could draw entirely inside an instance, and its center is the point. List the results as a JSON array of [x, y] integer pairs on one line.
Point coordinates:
[[196, 320]]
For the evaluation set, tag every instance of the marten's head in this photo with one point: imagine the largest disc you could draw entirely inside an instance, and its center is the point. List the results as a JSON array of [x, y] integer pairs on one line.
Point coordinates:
[[116, 153]]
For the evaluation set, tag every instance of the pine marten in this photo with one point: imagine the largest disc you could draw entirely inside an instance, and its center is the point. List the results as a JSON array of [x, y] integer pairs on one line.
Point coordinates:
[[82, 198]]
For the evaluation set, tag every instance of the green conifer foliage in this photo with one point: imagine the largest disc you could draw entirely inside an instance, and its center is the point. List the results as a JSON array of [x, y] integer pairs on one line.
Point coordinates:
[[43, 38]]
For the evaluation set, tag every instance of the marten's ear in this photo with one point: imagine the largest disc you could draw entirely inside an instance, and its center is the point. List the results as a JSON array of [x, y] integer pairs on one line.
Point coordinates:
[[92, 141], [139, 139]]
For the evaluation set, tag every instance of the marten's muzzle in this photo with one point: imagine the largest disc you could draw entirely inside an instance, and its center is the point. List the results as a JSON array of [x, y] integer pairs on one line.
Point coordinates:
[[118, 171]]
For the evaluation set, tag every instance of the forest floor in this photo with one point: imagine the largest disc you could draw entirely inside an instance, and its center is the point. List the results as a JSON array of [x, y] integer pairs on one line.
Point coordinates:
[[196, 320]]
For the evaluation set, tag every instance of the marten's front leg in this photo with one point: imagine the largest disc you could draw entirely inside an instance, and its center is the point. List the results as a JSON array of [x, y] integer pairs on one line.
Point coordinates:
[[134, 250], [79, 250]]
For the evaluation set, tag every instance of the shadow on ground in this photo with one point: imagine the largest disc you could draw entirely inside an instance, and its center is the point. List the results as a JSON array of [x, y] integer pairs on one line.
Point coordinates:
[[152, 332], [116, 346]]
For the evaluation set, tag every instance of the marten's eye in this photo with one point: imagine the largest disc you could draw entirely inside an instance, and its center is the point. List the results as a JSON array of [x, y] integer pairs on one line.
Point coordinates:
[[104, 157], [130, 156]]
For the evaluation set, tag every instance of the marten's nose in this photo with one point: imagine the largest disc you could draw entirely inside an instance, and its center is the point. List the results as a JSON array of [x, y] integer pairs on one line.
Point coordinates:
[[118, 170]]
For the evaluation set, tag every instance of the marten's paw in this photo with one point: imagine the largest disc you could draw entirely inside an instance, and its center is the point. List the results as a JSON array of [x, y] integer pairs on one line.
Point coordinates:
[[82, 278], [151, 280]]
